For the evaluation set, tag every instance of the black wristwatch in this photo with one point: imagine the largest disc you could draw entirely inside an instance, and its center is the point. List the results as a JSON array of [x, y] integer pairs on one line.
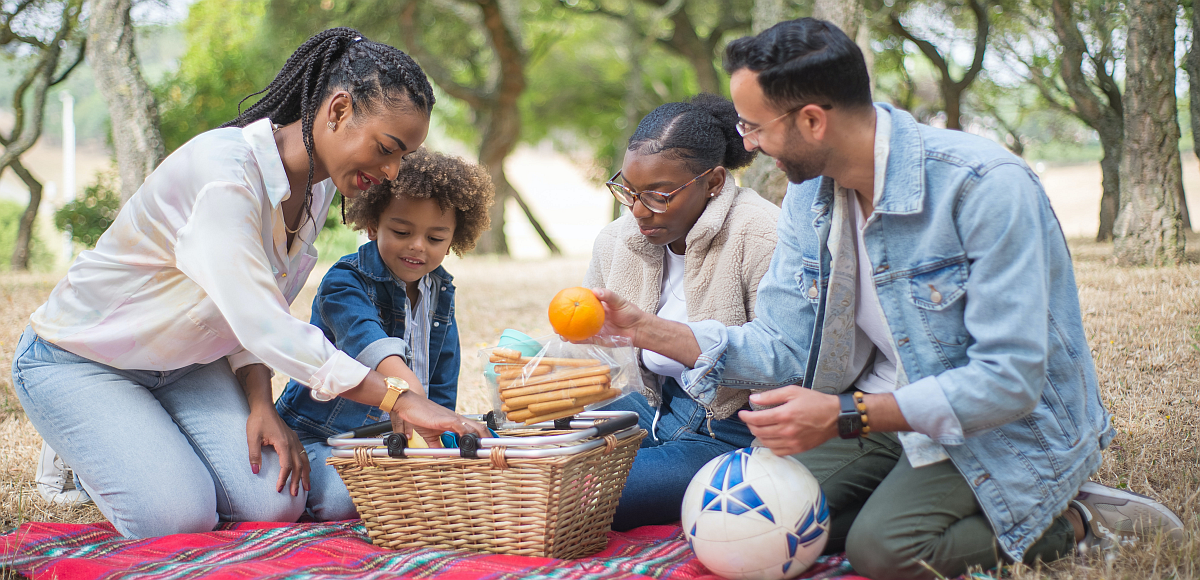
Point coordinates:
[[849, 421]]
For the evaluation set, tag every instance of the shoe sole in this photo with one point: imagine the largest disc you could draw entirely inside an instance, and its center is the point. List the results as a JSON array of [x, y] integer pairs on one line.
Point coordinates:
[[1090, 488]]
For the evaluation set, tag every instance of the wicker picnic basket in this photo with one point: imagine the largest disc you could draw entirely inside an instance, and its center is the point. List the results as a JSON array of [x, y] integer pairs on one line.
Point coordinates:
[[546, 490]]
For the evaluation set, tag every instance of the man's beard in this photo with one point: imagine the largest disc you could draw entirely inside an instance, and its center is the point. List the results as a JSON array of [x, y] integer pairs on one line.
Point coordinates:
[[800, 160], [799, 171]]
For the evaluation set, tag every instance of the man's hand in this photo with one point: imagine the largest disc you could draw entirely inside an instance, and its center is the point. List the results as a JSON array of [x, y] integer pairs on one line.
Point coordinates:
[[671, 339], [803, 419], [265, 427], [621, 317]]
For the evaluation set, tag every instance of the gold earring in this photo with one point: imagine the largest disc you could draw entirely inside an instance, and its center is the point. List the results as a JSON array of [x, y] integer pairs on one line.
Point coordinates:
[[332, 125]]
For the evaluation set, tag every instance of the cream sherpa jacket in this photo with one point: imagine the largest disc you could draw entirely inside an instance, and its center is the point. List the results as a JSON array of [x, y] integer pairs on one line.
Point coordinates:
[[728, 251]]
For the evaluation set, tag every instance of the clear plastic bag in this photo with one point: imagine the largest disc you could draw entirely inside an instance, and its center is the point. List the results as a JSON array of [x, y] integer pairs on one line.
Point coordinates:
[[560, 380]]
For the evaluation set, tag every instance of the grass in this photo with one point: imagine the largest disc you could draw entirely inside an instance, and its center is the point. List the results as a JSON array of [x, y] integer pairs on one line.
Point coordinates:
[[1141, 324]]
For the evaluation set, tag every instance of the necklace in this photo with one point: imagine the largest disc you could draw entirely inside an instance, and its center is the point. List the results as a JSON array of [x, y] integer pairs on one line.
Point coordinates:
[[275, 129]]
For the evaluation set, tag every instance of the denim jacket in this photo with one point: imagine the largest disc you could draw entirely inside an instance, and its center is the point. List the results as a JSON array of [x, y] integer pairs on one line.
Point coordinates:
[[360, 308], [975, 281]]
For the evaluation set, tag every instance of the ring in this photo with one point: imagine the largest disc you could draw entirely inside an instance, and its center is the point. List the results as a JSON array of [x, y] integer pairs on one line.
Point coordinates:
[[304, 451]]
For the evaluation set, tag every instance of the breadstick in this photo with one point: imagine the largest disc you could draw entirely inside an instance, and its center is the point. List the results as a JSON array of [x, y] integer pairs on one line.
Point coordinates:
[[501, 367], [601, 396], [518, 402], [525, 413], [558, 376], [555, 386], [520, 372], [553, 416], [559, 362], [506, 352], [551, 406], [519, 414]]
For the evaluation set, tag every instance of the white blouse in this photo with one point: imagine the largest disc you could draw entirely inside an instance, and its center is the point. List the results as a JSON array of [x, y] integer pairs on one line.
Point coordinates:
[[196, 267]]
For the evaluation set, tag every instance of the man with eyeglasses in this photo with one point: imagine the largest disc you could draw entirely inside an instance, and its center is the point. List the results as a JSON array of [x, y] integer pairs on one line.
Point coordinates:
[[920, 324]]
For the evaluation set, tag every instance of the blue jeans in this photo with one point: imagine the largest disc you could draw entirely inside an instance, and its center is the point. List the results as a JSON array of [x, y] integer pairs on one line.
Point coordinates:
[[160, 452], [665, 464], [328, 498]]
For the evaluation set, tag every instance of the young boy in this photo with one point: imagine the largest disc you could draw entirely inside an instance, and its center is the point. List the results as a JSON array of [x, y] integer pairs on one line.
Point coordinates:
[[391, 304]]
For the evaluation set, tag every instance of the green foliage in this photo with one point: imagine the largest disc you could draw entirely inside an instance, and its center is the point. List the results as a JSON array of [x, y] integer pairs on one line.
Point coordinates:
[[89, 216], [40, 258], [230, 55]]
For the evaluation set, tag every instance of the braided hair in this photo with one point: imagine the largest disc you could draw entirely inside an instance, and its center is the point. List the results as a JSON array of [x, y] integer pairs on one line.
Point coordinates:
[[702, 133], [377, 76]]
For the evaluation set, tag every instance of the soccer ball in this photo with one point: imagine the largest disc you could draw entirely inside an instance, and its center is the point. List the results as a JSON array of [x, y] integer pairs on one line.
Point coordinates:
[[752, 515]]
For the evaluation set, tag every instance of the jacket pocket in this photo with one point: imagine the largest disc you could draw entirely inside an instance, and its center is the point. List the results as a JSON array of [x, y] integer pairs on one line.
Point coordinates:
[[810, 282], [940, 297]]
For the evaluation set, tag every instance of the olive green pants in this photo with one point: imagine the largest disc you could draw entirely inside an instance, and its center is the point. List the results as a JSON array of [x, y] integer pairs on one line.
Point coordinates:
[[897, 522]]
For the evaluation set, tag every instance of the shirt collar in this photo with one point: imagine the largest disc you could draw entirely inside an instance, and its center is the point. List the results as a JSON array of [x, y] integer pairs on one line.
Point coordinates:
[[259, 135], [370, 263]]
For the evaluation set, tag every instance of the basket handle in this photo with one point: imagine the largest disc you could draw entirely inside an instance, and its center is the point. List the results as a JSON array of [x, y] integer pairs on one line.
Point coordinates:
[[615, 424], [370, 430]]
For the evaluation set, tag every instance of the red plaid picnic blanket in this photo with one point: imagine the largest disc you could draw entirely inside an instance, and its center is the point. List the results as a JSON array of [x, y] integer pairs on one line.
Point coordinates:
[[336, 550]]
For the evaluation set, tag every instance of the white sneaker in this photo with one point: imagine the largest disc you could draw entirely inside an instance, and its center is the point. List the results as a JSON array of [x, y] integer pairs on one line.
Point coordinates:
[[1115, 517], [56, 480]]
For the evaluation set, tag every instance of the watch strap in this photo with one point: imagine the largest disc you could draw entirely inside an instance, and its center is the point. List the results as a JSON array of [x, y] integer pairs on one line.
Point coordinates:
[[849, 420], [395, 388]]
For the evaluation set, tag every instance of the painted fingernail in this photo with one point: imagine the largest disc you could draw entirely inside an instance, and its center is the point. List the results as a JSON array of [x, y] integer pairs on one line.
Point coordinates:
[[254, 468]]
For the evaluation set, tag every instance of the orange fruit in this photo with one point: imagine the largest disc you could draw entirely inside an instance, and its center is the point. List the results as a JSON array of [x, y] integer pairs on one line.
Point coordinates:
[[576, 314]]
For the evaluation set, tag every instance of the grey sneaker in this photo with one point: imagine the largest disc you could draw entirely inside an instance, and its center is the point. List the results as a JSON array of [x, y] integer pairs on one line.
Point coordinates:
[[1116, 517], [56, 480]]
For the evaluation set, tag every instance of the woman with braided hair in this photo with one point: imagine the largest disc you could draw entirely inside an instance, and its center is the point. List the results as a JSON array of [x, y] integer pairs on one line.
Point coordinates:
[[148, 368]]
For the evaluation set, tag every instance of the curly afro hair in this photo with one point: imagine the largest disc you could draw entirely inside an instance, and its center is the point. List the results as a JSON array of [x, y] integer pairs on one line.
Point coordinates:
[[454, 183]]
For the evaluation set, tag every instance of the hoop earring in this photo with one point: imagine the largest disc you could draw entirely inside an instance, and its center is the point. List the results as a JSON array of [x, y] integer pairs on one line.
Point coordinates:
[[332, 126]]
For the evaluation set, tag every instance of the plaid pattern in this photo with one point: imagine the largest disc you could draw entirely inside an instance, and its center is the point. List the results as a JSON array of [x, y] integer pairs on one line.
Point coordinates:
[[335, 550]]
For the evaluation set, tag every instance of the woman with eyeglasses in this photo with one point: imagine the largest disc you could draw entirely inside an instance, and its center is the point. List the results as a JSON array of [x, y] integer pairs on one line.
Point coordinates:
[[692, 247]]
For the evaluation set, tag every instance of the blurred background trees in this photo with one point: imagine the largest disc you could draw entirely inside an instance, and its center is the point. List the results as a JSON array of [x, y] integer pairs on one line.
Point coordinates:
[[1048, 78]]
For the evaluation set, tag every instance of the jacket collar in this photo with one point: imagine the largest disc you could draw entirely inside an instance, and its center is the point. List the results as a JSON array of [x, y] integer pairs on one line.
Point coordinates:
[[370, 263], [904, 188], [260, 136], [702, 233]]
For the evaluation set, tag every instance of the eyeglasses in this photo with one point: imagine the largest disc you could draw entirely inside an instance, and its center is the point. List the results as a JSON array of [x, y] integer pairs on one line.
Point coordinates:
[[655, 201], [743, 128]]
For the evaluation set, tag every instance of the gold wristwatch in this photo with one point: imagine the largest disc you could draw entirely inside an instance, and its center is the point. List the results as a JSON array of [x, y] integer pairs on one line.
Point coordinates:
[[395, 388]]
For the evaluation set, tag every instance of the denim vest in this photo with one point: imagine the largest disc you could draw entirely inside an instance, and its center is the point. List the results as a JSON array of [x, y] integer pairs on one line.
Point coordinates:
[[360, 308], [977, 288]]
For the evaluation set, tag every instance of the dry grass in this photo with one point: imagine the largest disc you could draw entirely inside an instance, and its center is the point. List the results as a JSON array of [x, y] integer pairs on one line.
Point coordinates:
[[1143, 325]]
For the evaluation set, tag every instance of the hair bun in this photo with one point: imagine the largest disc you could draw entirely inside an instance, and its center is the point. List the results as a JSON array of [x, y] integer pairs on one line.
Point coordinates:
[[722, 109]]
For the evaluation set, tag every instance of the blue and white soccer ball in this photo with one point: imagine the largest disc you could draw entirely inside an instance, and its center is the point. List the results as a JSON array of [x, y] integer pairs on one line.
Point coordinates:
[[752, 515]]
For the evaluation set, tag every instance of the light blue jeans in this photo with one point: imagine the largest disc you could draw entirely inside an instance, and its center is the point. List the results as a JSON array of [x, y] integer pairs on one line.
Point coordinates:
[[328, 498], [160, 452]]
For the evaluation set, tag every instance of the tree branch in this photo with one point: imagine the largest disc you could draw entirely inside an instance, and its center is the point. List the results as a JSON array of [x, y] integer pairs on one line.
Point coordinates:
[[982, 28], [433, 66]]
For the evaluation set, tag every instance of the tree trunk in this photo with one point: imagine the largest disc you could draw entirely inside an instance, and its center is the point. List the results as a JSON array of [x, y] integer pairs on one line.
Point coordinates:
[[952, 97], [1110, 171], [845, 14], [131, 106], [1148, 230], [1193, 67], [20, 257]]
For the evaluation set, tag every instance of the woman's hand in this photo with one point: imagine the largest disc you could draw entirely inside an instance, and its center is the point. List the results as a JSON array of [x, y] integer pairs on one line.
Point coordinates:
[[266, 427]]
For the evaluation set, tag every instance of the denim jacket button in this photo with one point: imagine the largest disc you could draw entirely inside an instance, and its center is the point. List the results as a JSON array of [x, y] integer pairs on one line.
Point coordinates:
[[935, 297], [436, 324], [813, 292]]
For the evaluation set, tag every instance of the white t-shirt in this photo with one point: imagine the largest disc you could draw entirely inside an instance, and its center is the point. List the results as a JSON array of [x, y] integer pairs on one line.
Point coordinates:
[[868, 315], [672, 305]]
